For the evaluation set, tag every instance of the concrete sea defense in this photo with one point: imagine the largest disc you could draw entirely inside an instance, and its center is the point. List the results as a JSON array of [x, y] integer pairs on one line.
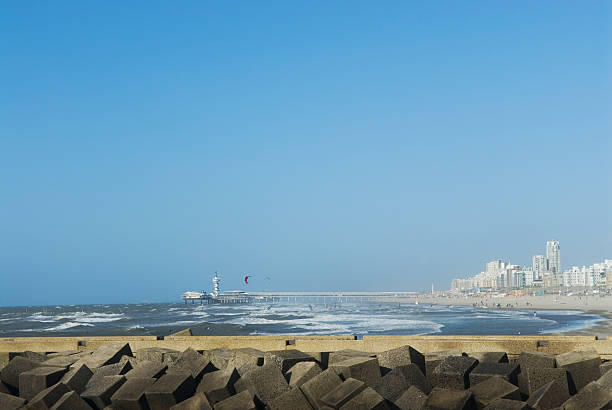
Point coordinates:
[[306, 372]]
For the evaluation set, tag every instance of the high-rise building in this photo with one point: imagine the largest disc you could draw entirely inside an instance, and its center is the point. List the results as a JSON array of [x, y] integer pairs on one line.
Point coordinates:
[[553, 256], [495, 266], [539, 266]]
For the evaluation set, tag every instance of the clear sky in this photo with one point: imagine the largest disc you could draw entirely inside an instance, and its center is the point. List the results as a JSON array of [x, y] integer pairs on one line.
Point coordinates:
[[351, 145]]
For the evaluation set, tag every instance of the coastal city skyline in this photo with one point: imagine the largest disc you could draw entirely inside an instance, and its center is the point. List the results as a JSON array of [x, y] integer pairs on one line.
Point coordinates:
[[545, 272]]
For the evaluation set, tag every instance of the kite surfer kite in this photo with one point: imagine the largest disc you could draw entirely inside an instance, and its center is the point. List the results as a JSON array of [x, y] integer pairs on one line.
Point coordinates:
[[246, 279]]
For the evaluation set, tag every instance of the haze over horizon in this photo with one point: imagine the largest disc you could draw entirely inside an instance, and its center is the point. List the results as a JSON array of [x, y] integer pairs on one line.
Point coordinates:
[[329, 146]]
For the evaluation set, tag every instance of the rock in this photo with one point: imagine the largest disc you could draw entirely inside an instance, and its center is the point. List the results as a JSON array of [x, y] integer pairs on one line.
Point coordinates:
[[193, 363], [532, 378], [450, 399], [505, 404], [10, 373], [10, 402], [484, 371], [294, 399], [77, 378], [105, 355], [169, 390], [392, 385], [583, 367], [98, 394], [48, 397], [492, 389], [218, 385], [264, 382], [365, 369], [285, 359], [317, 387], [414, 377], [490, 357], [71, 401], [218, 357], [341, 355], [550, 395], [591, 397], [301, 372], [60, 361], [157, 354], [453, 372], [536, 360], [367, 399], [411, 399], [131, 395], [38, 379], [432, 360], [245, 360], [240, 401], [147, 369], [184, 332], [197, 402], [346, 391], [401, 356], [116, 369]]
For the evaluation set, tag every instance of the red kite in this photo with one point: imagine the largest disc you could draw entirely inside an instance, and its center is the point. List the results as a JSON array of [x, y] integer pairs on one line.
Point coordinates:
[[246, 279]]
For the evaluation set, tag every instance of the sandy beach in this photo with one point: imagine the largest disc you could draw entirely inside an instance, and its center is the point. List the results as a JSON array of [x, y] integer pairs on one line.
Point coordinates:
[[596, 304]]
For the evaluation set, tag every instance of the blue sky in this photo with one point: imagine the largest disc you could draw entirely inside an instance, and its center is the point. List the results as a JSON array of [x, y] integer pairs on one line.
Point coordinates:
[[327, 145]]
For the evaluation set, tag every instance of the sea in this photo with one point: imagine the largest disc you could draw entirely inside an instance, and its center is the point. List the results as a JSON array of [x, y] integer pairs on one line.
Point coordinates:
[[290, 318]]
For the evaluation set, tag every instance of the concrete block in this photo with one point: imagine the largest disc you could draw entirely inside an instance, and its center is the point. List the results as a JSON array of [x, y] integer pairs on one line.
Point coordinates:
[[605, 380], [240, 401], [415, 377], [345, 354], [285, 359], [293, 399], [10, 402], [193, 363], [36, 356], [450, 399], [392, 385], [321, 357], [532, 378], [433, 359], [38, 379], [367, 399], [453, 372], [365, 369], [591, 397], [169, 390], [4, 388], [317, 387], [583, 367], [71, 401], [346, 391], [131, 395], [77, 377], [10, 373], [401, 356], [147, 369], [484, 371], [63, 353], [549, 396], [265, 383], [411, 399], [61, 361], [107, 354], [116, 369], [506, 404], [492, 389], [490, 357], [301, 372], [604, 367], [197, 402], [184, 332], [218, 357], [98, 395], [218, 385], [48, 397], [157, 354], [246, 359], [536, 359]]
